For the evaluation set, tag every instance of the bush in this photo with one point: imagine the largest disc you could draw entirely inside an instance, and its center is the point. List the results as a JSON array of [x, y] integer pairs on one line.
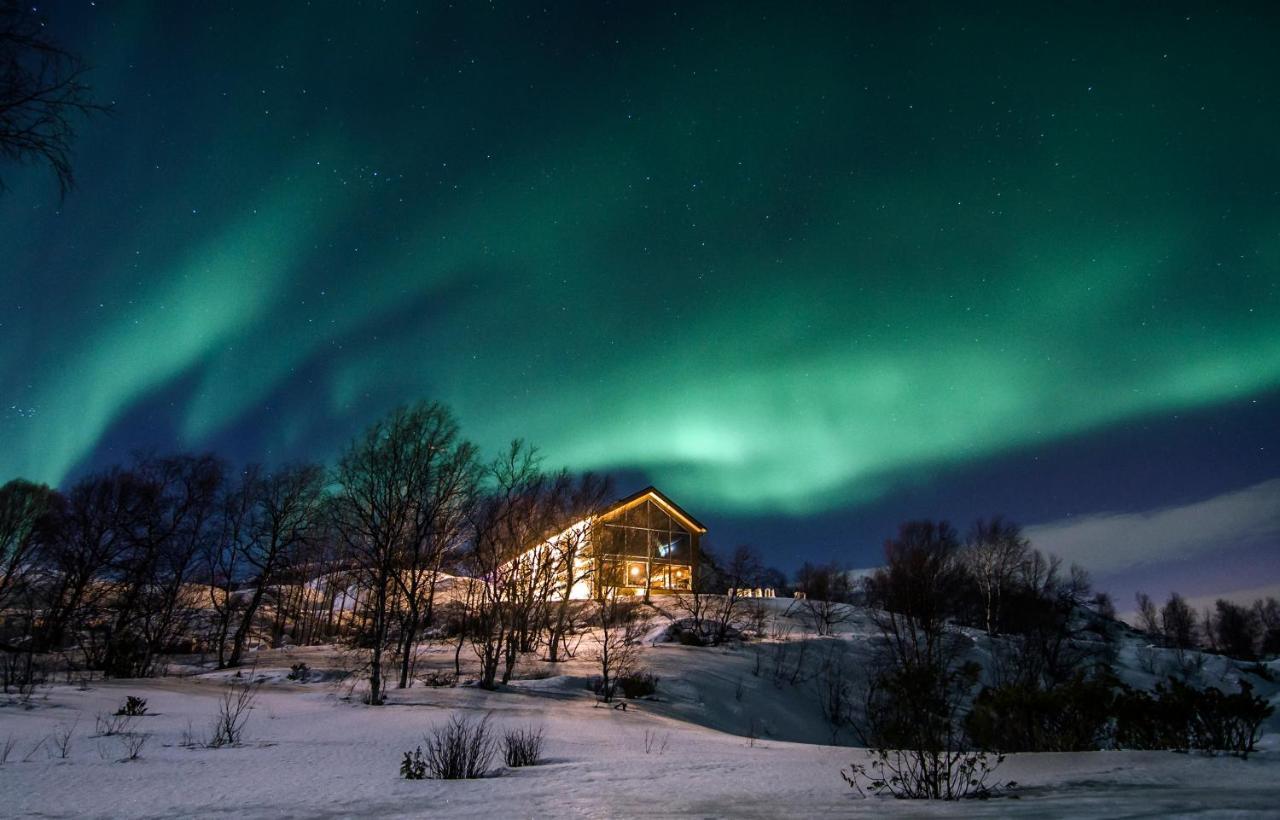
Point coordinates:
[[1178, 716], [461, 749], [299, 672], [133, 707], [438, 680], [107, 725], [687, 634], [522, 747], [638, 684], [926, 775], [131, 744], [233, 713], [413, 767], [1072, 717]]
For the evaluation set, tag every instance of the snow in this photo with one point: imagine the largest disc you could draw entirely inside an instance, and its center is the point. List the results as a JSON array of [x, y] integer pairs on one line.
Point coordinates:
[[313, 750]]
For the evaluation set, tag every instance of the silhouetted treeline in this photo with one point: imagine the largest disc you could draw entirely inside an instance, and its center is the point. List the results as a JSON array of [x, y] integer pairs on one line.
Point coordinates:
[[410, 534], [1047, 680], [1245, 632]]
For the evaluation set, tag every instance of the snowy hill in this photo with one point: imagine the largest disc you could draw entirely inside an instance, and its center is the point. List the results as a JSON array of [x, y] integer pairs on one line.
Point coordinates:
[[728, 734]]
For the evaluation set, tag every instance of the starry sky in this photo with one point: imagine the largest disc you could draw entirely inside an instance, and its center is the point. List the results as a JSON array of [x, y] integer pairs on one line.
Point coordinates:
[[812, 269]]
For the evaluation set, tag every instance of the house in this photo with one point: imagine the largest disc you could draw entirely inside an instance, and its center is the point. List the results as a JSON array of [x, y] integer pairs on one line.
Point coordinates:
[[641, 545]]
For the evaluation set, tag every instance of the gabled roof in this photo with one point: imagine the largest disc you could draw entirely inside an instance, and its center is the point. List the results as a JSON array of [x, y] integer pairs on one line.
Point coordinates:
[[657, 496]]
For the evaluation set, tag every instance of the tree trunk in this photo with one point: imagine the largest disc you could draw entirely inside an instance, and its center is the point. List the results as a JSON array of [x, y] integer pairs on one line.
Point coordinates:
[[246, 623], [410, 627]]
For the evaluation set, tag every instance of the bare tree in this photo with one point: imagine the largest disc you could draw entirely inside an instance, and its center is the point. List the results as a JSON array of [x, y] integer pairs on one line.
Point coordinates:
[[376, 507], [618, 643], [42, 92], [224, 557], [740, 574], [510, 555], [24, 506], [572, 567], [1148, 616], [1178, 622], [994, 554], [827, 591], [1267, 613], [91, 532], [912, 703], [1236, 629], [916, 592], [286, 513], [698, 604], [715, 606], [443, 492], [166, 528], [189, 488]]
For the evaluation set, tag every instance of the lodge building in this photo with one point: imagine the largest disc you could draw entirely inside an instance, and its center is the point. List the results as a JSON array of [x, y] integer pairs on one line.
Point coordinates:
[[642, 545]]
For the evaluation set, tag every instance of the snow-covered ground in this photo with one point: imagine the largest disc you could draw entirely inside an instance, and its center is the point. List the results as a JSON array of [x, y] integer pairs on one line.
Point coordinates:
[[313, 750]]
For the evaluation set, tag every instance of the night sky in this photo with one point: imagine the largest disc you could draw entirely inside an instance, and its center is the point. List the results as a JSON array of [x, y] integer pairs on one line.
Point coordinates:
[[810, 270]]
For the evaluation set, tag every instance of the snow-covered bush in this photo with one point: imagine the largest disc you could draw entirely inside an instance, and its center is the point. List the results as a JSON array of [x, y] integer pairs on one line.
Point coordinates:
[[461, 749]]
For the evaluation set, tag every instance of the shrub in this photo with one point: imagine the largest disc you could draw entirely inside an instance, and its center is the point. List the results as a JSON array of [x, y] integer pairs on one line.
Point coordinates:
[[233, 714], [133, 707], [107, 725], [687, 633], [132, 743], [656, 743], [1178, 716], [299, 672], [62, 735], [413, 767], [638, 684], [461, 749], [1072, 717], [439, 680], [522, 747], [926, 775]]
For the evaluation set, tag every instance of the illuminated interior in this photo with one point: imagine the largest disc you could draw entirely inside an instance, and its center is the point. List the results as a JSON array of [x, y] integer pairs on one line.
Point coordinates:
[[642, 545]]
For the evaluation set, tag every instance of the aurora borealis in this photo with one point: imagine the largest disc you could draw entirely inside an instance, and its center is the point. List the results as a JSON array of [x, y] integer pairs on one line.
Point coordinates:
[[808, 268]]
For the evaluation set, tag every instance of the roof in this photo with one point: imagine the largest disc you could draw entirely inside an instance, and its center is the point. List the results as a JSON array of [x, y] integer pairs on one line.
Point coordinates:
[[662, 500]]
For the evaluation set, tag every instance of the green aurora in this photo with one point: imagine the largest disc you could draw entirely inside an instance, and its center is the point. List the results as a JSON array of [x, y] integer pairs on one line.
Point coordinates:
[[774, 261]]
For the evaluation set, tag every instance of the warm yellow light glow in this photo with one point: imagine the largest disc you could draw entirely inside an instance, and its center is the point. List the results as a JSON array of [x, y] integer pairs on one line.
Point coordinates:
[[635, 570], [672, 511]]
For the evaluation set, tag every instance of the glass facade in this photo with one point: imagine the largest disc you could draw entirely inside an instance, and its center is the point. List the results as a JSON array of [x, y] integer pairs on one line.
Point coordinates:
[[644, 548]]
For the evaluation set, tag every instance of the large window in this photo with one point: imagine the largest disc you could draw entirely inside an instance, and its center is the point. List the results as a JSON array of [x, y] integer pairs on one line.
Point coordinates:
[[644, 538]]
